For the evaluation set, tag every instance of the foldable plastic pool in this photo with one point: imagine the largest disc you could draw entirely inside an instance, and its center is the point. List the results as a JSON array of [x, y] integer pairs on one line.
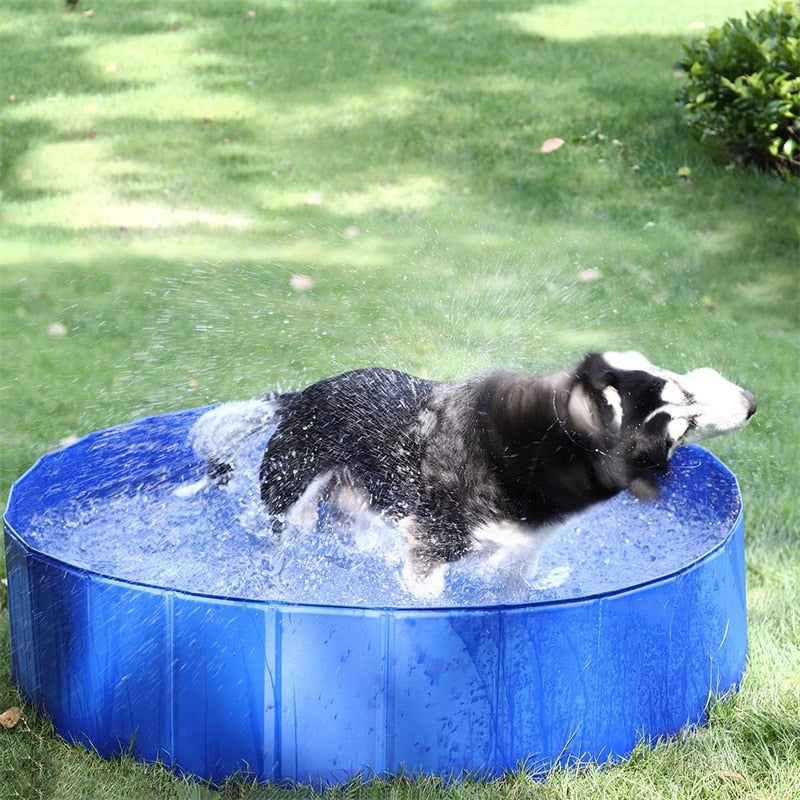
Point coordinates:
[[213, 682]]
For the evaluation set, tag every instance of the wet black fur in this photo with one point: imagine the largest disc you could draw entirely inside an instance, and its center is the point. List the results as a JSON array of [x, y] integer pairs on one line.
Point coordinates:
[[449, 457]]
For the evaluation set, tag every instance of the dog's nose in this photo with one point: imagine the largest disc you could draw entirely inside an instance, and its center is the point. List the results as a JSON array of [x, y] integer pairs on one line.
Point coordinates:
[[751, 403]]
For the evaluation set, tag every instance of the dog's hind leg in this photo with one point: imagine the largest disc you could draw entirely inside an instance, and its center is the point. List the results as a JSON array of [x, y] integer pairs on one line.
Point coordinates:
[[222, 434], [336, 487], [302, 513], [287, 471]]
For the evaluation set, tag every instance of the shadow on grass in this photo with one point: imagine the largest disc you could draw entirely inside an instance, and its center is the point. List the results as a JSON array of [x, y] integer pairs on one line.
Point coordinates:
[[330, 113], [461, 89]]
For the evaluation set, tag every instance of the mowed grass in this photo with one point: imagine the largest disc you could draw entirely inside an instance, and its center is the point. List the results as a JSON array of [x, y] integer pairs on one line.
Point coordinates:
[[166, 170]]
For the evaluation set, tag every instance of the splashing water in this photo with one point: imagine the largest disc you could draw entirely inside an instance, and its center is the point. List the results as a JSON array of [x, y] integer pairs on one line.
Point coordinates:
[[219, 542]]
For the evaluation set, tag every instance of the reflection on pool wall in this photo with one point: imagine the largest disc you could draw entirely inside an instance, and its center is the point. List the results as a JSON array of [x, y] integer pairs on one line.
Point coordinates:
[[214, 685]]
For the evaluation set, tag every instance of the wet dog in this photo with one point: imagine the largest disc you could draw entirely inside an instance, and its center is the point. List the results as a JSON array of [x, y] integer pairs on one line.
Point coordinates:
[[487, 458]]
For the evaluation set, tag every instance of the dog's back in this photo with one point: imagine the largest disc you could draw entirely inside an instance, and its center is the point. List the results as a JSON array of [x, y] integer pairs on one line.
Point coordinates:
[[363, 419]]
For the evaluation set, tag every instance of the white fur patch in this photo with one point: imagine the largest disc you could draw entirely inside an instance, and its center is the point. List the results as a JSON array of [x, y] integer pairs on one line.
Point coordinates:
[[613, 399], [676, 429], [672, 393], [630, 361], [223, 433], [581, 410], [505, 533], [425, 582]]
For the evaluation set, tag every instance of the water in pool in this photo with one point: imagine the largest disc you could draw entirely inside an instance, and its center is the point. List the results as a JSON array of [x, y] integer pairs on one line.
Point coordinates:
[[218, 542]]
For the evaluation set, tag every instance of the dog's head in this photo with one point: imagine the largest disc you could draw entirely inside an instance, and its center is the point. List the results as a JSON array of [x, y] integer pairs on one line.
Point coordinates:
[[637, 414]]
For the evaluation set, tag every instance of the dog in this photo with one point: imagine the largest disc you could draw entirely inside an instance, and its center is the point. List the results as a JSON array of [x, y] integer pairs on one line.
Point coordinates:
[[490, 458]]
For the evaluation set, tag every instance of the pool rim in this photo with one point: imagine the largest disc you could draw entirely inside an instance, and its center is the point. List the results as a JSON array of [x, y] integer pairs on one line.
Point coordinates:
[[9, 530]]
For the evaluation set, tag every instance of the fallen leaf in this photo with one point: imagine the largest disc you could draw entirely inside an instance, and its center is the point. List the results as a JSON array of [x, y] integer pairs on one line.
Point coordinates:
[[26, 175], [590, 275], [301, 283], [57, 330], [250, 15], [737, 776], [111, 66], [551, 145], [10, 717], [67, 440], [352, 232]]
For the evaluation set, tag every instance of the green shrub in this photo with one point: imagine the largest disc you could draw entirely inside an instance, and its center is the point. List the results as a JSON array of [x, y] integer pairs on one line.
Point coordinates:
[[743, 86]]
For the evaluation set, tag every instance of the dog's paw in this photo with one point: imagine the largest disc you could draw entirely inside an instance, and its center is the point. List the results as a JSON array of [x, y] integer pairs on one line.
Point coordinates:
[[644, 488], [187, 490], [261, 526], [428, 586]]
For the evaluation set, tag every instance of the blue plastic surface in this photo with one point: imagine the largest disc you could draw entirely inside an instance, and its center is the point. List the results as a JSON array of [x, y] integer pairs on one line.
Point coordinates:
[[213, 685]]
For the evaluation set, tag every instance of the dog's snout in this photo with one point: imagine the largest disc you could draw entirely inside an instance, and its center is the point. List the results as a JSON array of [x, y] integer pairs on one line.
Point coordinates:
[[750, 399]]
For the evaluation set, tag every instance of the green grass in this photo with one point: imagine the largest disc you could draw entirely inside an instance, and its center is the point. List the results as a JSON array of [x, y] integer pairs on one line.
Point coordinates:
[[166, 170]]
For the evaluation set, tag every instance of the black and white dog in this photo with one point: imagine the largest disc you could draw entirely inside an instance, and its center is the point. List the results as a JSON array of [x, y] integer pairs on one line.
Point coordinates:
[[484, 458]]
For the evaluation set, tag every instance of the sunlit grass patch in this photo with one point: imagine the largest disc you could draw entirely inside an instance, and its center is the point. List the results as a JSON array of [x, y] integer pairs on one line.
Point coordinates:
[[596, 17]]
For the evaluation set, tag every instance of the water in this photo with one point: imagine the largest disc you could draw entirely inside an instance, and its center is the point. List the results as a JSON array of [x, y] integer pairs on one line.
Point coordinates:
[[219, 542]]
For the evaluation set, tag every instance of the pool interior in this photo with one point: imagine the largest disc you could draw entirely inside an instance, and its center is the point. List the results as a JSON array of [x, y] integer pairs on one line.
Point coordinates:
[[107, 504]]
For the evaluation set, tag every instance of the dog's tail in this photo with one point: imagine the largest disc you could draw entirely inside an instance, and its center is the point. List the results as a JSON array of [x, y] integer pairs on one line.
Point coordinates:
[[224, 433]]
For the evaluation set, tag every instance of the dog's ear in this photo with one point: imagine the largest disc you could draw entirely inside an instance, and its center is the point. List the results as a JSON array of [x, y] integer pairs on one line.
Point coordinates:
[[595, 404], [594, 372]]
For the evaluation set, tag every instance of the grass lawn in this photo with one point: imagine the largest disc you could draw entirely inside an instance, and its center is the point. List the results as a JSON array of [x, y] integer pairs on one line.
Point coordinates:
[[167, 169]]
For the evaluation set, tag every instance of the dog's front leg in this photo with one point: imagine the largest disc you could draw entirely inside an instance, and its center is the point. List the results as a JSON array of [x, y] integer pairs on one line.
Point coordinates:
[[423, 575]]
